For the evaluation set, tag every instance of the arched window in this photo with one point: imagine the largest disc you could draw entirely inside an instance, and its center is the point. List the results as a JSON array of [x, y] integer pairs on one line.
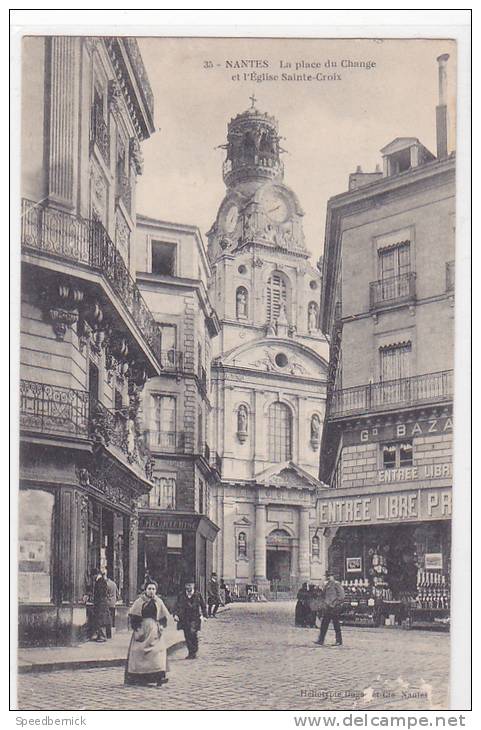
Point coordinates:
[[315, 547], [241, 303], [280, 432], [242, 545], [276, 296]]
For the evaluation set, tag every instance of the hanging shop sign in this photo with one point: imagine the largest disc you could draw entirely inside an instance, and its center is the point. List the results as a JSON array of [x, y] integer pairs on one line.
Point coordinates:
[[403, 429], [415, 505]]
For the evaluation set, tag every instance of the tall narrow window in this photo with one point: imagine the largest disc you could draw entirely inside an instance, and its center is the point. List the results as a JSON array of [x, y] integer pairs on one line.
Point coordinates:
[[164, 420], [201, 497], [280, 432], [276, 296], [395, 371], [394, 264], [163, 493], [395, 361], [168, 344]]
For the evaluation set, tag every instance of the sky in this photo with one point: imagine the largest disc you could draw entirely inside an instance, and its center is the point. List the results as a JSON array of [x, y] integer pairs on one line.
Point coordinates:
[[329, 126]]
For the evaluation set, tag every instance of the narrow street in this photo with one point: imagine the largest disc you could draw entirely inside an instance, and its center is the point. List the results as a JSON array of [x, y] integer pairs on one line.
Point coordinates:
[[252, 657]]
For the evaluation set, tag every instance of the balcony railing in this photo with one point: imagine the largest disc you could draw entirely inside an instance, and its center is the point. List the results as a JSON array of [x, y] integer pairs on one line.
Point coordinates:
[[100, 134], [396, 289], [77, 239], [171, 442], [429, 388], [56, 410], [171, 360]]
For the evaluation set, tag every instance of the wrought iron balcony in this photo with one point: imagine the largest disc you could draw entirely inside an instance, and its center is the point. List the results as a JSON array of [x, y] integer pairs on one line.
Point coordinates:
[[363, 399], [171, 360], [392, 291], [171, 442], [75, 239], [59, 411], [100, 134]]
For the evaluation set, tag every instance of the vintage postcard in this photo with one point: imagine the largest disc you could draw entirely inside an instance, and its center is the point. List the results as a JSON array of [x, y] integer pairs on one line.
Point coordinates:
[[236, 372]]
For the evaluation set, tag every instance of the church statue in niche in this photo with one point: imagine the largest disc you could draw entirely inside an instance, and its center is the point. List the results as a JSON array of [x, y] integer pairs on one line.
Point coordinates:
[[241, 303], [242, 423], [312, 317], [315, 431]]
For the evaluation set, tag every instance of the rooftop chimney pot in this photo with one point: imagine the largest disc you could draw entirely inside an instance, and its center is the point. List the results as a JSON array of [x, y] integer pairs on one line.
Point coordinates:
[[441, 109]]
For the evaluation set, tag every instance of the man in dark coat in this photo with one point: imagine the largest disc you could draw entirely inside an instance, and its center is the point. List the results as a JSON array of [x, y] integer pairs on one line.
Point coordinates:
[[333, 595], [213, 596], [101, 607], [189, 611]]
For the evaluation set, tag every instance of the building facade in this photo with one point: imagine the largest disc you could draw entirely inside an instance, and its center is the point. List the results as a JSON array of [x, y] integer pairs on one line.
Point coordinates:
[[176, 535], [89, 341], [388, 308], [269, 370]]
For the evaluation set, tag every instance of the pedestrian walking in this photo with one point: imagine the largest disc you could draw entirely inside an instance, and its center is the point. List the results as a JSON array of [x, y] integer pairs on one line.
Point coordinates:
[[112, 596], [147, 657], [189, 611], [302, 606], [101, 607], [213, 597], [333, 595]]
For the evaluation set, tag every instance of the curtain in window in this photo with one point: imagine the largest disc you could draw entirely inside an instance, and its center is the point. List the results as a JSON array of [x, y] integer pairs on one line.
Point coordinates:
[[395, 371], [394, 264], [276, 296], [280, 432], [162, 494]]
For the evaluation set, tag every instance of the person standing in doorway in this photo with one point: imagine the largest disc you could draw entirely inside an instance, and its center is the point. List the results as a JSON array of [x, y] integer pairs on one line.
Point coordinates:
[[213, 596], [188, 612], [333, 598], [101, 607], [112, 596]]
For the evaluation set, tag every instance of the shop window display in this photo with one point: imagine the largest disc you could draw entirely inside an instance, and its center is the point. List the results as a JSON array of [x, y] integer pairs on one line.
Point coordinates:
[[35, 544]]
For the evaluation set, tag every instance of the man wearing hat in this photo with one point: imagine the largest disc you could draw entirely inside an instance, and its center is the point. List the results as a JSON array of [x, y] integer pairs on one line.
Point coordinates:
[[213, 596], [333, 595], [188, 612]]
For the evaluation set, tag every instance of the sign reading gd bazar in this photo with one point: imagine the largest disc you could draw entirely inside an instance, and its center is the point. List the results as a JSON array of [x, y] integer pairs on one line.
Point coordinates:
[[414, 505]]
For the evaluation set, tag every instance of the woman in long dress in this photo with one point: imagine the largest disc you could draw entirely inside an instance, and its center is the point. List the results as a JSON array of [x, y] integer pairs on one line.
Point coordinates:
[[147, 657]]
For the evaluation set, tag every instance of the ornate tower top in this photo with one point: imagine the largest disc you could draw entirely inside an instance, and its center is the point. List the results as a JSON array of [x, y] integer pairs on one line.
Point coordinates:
[[253, 150]]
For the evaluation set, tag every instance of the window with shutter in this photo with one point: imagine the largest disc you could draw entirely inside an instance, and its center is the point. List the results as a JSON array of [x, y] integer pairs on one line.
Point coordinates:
[[276, 296]]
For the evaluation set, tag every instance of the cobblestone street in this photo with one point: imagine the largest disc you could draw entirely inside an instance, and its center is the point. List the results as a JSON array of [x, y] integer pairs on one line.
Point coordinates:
[[253, 658]]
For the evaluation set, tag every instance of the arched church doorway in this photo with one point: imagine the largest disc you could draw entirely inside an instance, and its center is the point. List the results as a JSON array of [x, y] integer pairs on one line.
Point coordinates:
[[279, 560]]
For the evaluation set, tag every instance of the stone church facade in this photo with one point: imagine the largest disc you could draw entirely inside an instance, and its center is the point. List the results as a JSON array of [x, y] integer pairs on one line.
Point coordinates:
[[269, 370]]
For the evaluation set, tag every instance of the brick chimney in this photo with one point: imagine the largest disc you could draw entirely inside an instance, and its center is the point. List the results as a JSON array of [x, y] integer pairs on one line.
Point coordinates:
[[442, 110]]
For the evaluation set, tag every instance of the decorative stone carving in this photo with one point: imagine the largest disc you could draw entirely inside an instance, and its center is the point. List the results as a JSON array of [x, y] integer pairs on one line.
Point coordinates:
[[122, 235], [136, 155], [61, 320], [99, 191], [258, 262], [83, 477], [115, 96], [242, 423], [82, 506], [91, 43]]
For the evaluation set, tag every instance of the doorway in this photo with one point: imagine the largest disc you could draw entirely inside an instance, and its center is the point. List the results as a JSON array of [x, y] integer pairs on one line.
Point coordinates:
[[279, 568]]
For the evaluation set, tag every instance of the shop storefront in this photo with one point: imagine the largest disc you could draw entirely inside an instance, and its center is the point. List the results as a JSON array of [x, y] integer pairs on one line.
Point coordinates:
[[76, 517], [173, 547], [392, 552]]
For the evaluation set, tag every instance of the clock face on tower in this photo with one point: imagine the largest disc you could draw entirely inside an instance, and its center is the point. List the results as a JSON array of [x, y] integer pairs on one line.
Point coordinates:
[[230, 219], [275, 206]]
